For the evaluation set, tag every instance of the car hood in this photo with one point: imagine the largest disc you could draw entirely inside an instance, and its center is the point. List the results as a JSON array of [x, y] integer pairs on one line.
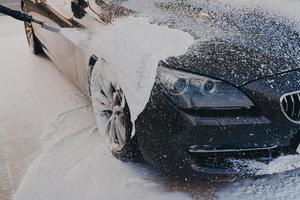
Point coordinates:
[[235, 64], [232, 43]]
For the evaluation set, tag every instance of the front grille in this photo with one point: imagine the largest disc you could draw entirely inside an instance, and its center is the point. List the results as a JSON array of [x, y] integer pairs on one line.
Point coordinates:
[[290, 106]]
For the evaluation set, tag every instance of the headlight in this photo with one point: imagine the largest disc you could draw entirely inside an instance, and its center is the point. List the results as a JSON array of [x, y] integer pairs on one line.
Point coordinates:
[[193, 91]]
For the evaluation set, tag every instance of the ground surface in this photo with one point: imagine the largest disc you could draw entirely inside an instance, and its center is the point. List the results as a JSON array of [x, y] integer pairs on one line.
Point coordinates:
[[50, 147]]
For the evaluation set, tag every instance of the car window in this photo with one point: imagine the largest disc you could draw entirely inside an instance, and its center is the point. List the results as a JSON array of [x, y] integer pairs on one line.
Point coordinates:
[[107, 11], [63, 7], [59, 3]]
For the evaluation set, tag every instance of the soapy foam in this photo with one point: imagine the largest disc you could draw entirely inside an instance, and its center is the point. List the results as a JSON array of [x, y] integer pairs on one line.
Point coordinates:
[[129, 51]]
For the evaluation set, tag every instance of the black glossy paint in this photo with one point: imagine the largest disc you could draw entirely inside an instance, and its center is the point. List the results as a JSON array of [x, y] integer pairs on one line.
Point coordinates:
[[229, 62], [167, 136]]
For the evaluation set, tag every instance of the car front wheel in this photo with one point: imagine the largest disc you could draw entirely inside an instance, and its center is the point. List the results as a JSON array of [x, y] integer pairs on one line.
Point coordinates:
[[113, 118]]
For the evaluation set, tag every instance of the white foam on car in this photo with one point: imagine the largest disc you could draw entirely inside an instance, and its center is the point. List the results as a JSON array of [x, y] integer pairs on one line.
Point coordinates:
[[287, 8], [129, 51], [278, 165]]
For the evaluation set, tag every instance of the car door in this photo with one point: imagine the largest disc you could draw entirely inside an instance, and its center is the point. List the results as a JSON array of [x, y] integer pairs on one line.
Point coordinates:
[[63, 47], [95, 15], [86, 26], [57, 13]]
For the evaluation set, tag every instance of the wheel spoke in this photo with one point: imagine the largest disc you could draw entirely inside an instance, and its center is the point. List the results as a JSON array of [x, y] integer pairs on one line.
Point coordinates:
[[31, 42], [123, 101], [119, 137], [115, 98], [27, 30], [119, 99], [113, 132], [107, 89], [107, 129], [107, 114], [29, 35], [103, 100], [28, 26], [102, 107], [110, 103], [121, 131]]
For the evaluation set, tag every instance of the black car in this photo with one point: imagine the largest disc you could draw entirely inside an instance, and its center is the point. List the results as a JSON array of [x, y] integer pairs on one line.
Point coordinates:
[[233, 94]]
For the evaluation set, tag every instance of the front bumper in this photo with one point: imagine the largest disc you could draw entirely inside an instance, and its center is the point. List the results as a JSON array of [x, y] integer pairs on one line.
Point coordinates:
[[197, 143]]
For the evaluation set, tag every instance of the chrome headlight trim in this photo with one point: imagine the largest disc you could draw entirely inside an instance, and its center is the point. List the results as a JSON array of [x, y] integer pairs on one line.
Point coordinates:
[[191, 91]]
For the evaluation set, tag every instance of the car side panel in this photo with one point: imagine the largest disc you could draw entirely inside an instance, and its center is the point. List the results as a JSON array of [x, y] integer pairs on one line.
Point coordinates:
[[90, 23], [70, 57], [56, 45]]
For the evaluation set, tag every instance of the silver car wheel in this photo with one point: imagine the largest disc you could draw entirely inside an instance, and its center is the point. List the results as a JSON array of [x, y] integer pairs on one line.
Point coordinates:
[[109, 104]]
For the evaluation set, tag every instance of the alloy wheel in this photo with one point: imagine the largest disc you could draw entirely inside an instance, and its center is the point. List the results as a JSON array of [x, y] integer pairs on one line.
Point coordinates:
[[111, 107]]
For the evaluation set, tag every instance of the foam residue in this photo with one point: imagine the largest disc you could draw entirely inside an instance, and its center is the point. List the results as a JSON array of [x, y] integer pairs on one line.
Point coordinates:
[[257, 168], [264, 26], [129, 51], [287, 8], [74, 165]]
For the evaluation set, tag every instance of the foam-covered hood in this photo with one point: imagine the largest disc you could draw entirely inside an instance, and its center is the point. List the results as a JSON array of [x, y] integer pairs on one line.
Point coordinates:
[[234, 42]]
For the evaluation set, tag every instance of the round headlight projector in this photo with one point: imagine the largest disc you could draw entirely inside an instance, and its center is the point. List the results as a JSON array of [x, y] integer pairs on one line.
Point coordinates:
[[208, 86], [179, 86]]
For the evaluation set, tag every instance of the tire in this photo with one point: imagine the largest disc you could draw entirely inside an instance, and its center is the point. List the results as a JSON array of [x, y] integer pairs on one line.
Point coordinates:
[[113, 118], [34, 44]]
